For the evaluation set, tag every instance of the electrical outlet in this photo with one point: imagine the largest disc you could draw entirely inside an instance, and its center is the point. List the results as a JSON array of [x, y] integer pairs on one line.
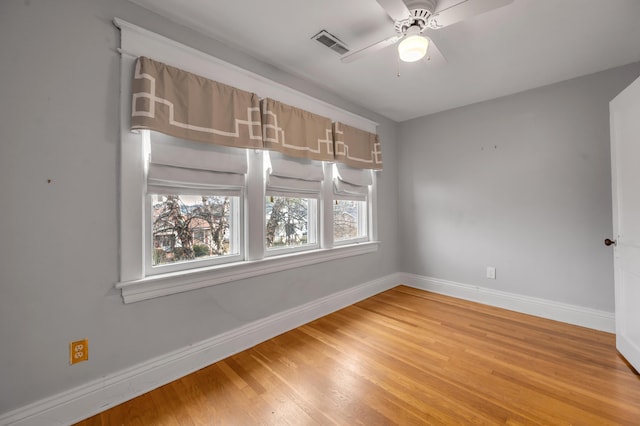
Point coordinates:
[[491, 272], [78, 351]]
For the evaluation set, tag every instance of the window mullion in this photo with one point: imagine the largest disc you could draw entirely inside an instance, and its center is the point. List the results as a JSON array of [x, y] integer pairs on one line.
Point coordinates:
[[326, 208], [254, 214], [313, 225], [132, 184], [372, 209]]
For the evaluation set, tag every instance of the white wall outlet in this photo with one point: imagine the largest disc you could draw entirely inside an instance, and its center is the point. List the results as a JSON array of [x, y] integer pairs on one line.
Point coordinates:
[[491, 272]]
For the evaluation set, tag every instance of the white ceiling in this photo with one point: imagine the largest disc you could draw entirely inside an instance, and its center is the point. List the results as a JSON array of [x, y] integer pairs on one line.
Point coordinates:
[[526, 44]]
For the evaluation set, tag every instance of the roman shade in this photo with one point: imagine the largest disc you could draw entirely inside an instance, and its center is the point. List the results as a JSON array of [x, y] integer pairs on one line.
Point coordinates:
[[350, 183], [293, 177], [356, 148], [178, 166], [296, 132], [188, 106]]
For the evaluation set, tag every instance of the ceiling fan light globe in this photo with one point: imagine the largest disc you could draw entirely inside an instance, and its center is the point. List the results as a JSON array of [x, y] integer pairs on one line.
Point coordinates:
[[413, 48]]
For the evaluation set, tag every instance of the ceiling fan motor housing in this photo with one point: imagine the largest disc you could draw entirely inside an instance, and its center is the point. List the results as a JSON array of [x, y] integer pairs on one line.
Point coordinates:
[[421, 11]]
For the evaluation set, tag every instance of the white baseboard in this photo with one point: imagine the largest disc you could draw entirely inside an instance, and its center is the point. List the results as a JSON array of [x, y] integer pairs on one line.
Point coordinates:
[[84, 401], [572, 314]]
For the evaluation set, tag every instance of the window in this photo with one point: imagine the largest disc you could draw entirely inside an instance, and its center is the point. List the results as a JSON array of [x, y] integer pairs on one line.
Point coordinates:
[[196, 194], [293, 187], [349, 220], [290, 223], [350, 211], [195, 214], [193, 203], [193, 228]]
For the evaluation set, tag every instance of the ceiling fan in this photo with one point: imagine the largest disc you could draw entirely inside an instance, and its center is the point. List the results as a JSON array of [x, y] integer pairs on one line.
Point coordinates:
[[413, 18]]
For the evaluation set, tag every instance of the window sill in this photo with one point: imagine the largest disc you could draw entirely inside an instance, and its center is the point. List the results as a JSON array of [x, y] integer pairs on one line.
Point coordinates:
[[176, 282]]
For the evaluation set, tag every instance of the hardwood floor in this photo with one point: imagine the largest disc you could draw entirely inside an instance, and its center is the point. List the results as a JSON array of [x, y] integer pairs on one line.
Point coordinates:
[[406, 357]]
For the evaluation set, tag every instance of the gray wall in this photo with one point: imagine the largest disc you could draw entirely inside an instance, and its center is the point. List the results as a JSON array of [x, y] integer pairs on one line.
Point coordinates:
[[521, 183], [59, 106]]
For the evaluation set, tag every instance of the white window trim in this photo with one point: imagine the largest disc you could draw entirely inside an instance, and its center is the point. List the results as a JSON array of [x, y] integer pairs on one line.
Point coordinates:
[[313, 229], [366, 227], [134, 283], [166, 268], [372, 206], [163, 285]]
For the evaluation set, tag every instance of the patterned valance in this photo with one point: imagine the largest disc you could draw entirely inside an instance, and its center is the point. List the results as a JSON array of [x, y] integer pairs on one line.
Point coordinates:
[[296, 132], [185, 105], [356, 147]]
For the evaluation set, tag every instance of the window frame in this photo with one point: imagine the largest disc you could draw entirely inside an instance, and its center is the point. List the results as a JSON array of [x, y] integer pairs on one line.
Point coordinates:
[[135, 281], [236, 232], [313, 228], [370, 200], [363, 228]]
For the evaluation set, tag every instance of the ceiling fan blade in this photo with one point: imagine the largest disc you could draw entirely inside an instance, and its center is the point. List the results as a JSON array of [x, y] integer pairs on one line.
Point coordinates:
[[396, 9], [434, 57], [352, 56], [459, 10]]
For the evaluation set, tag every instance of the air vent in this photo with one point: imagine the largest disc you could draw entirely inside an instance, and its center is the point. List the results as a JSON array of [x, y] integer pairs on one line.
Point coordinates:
[[331, 41]]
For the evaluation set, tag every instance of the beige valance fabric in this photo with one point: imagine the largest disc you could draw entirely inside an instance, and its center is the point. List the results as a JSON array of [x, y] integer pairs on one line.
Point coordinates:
[[185, 105], [356, 147], [296, 132]]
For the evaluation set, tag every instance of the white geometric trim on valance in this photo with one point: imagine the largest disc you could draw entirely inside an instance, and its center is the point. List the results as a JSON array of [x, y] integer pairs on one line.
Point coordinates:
[[181, 104], [356, 148], [295, 132]]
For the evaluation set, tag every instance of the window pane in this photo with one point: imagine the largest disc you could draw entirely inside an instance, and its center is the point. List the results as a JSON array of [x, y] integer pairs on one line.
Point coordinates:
[[192, 227], [349, 220], [288, 222]]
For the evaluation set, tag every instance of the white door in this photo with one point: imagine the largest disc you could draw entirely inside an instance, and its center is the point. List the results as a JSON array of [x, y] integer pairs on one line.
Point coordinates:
[[625, 169]]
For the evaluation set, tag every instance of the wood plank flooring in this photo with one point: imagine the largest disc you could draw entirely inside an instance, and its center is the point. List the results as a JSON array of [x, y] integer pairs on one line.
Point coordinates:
[[405, 357]]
